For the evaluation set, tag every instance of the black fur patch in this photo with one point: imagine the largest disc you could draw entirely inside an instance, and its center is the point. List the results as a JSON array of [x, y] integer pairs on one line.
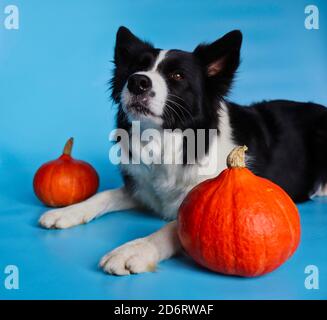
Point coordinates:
[[287, 143]]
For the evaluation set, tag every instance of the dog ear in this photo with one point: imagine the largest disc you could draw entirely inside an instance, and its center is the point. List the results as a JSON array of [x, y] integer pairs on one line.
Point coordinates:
[[220, 59], [127, 45]]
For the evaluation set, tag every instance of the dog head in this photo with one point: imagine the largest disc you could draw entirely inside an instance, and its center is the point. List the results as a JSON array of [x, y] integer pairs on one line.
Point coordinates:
[[173, 88]]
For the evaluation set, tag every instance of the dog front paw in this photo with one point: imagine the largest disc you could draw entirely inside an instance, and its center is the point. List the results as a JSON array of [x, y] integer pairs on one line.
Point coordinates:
[[63, 218], [133, 257]]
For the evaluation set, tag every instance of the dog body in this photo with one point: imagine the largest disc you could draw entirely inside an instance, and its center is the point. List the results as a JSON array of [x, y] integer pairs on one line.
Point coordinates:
[[286, 157], [176, 91]]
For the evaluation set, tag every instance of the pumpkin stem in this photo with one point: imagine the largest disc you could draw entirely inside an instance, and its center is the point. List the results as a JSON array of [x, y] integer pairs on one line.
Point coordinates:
[[236, 158], [68, 147]]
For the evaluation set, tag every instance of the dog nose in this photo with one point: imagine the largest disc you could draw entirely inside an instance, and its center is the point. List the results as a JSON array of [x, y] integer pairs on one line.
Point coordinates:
[[139, 83]]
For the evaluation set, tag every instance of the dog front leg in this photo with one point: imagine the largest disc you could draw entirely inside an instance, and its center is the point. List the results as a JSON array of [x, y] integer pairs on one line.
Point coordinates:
[[83, 212], [142, 255]]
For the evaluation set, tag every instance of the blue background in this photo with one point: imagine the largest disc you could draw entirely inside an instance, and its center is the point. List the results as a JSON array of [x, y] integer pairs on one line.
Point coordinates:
[[53, 74]]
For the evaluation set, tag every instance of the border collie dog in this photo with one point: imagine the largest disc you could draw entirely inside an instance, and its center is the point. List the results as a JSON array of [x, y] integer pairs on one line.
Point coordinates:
[[174, 89]]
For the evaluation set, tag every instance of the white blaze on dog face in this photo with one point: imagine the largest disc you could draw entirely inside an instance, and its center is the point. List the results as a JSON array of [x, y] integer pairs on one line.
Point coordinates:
[[153, 100], [159, 86]]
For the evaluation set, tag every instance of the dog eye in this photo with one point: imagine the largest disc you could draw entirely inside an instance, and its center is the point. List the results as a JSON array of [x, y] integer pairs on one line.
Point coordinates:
[[177, 76]]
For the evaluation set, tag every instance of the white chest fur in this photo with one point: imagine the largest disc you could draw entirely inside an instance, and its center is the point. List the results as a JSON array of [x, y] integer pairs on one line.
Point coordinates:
[[162, 187]]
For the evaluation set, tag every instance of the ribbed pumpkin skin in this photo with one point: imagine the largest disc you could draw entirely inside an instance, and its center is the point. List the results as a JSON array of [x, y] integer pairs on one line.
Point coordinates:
[[65, 181], [239, 224]]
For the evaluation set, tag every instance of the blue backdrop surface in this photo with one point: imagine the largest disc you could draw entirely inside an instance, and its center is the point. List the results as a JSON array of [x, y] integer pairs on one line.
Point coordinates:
[[53, 74]]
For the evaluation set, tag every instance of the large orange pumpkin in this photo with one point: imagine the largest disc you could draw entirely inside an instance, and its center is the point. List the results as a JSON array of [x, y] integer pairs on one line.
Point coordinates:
[[65, 181], [239, 223]]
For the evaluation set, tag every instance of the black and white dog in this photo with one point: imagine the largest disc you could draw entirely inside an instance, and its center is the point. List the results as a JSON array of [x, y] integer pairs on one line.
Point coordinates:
[[173, 89]]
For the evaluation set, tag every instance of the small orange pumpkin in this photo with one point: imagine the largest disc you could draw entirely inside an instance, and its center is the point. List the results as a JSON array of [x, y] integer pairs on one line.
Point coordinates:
[[239, 223], [65, 181]]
